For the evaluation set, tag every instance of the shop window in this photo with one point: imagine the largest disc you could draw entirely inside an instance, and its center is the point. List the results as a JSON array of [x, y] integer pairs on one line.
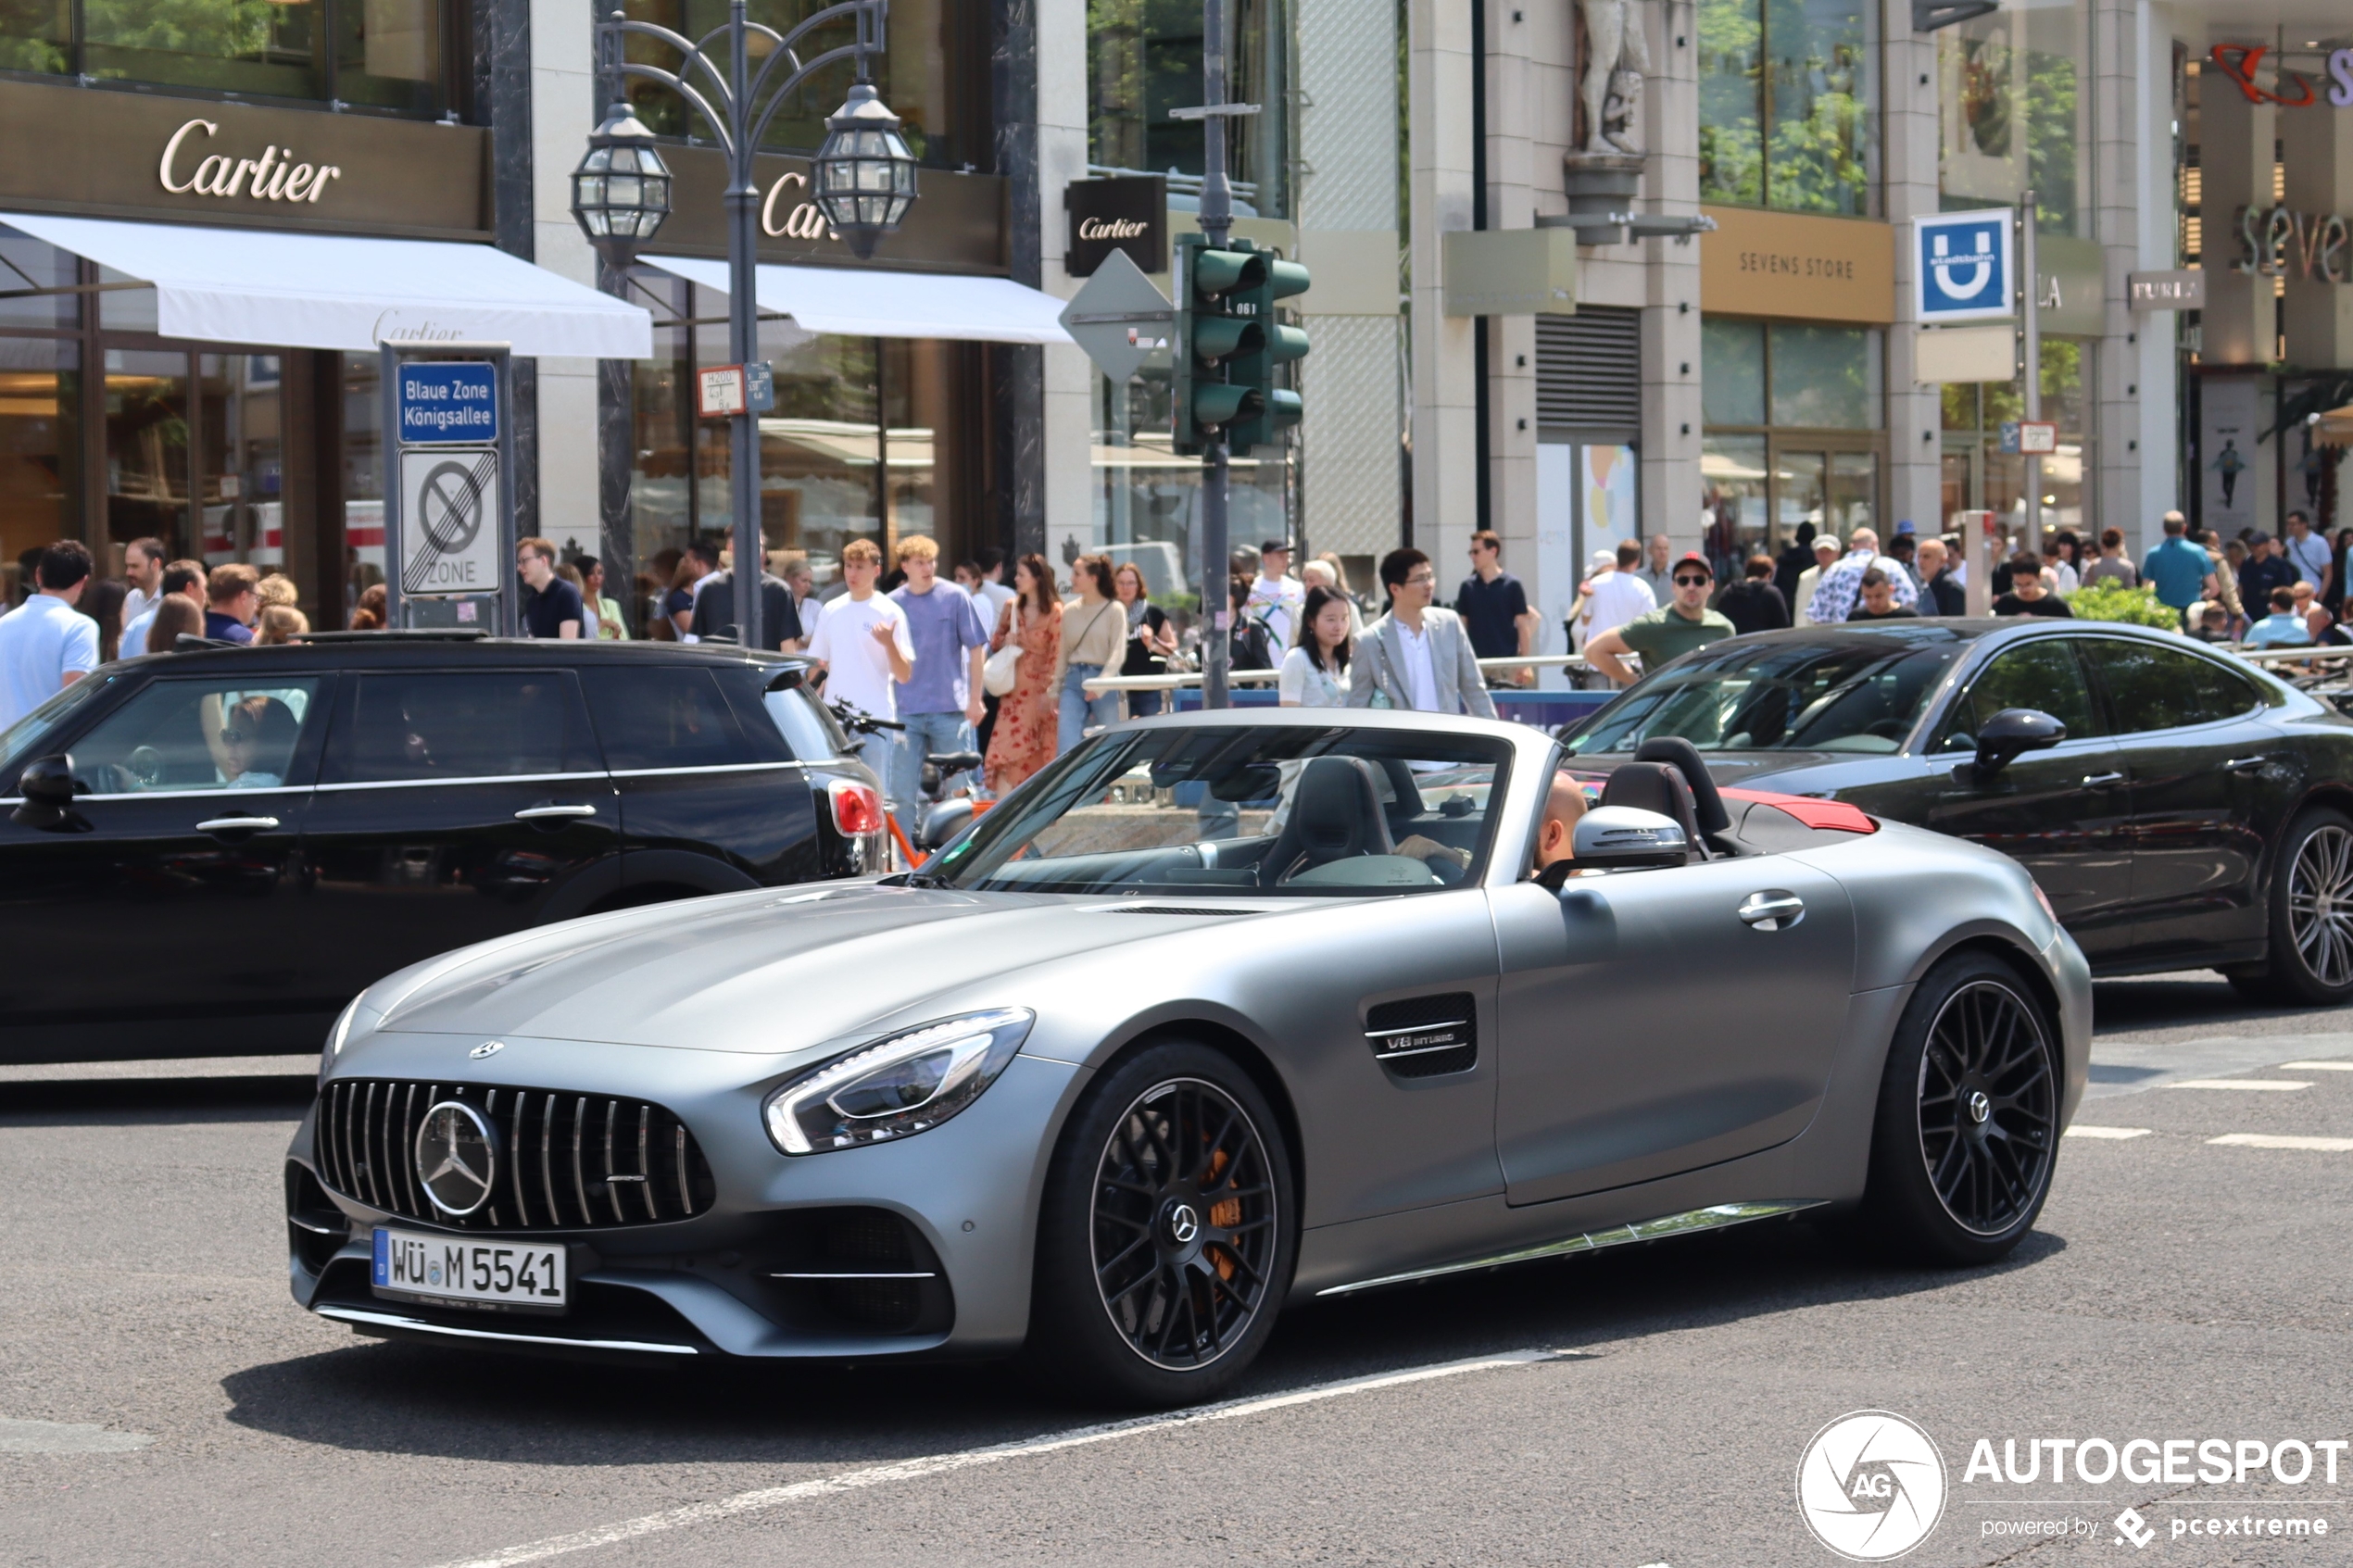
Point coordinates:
[[2014, 109], [1792, 438], [1143, 59], [363, 476], [1825, 378], [869, 438], [1789, 104], [40, 450], [1978, 476], [379, 54], [933, 73]]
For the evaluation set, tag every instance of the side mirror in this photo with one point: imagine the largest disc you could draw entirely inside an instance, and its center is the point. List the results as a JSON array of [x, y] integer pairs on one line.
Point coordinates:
[[785, 679], [1621, 838], [2012, 733], [943, 823], [46, 785]]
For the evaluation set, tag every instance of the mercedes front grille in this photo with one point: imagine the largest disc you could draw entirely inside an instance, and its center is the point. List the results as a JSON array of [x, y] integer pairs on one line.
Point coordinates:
[[564, 1162]]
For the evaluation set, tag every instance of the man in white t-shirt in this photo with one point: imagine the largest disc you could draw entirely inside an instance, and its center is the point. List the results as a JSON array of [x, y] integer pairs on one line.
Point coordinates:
[[45, 644], [1619, 594], [1276, 596], [863, 645]]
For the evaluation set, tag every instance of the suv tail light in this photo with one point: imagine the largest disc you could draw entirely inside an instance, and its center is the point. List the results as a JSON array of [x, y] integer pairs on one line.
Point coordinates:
[[857, 808]]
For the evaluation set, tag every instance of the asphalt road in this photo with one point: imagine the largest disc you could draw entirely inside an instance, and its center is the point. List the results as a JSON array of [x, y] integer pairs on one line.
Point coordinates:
[[162, 1402]]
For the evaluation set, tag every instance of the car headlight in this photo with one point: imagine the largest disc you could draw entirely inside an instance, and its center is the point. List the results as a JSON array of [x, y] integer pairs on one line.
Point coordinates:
[[906, 1084]]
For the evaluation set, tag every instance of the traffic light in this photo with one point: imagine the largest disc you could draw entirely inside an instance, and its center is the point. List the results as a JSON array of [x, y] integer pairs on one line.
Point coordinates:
[[1211, 330], [1268, 410]]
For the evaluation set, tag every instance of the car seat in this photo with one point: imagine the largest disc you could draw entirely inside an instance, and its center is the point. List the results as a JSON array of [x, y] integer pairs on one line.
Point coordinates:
[[1335, 813], [1684, 758], [1660, 787]]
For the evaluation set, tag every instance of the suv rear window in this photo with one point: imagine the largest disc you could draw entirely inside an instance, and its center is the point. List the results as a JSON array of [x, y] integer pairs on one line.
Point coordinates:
[[663, 719]]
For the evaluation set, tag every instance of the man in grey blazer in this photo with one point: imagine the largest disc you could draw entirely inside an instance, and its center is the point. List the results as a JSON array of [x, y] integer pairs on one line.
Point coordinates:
[[1417, 656]]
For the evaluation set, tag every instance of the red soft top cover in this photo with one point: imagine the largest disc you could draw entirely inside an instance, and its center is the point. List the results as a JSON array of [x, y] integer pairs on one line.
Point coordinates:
[[1836, 815]]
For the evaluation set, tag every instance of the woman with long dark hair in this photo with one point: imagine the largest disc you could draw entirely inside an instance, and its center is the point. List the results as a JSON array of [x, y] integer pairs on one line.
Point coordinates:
[[1023, 741], [1315, 673], [1094, 633]]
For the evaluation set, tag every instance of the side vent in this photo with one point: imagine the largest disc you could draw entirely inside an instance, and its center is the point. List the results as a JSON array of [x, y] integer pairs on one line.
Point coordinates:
[[1423, 1037]]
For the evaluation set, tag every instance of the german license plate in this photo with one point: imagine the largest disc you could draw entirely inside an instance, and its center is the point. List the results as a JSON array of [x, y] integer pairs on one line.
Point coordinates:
[[458, 1272]]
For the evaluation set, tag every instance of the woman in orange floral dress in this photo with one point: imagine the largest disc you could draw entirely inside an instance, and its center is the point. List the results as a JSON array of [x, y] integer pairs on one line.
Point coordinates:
[[1024, 739]]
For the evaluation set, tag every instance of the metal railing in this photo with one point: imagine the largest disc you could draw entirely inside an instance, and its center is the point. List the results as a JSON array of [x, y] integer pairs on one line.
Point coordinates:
[[1102, 684]]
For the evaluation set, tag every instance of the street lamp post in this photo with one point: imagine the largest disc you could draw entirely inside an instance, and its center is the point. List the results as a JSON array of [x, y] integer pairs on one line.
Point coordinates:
[[863, 181]]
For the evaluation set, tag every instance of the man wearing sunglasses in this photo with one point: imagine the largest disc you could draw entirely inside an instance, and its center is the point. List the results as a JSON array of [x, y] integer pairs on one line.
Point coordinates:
[[1674, 629]]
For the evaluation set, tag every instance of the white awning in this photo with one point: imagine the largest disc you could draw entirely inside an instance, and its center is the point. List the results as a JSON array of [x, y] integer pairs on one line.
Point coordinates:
[[270, 287], [876, 303]]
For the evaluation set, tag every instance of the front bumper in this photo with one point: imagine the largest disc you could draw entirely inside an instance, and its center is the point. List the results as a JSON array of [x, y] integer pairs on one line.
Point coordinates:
[[921, 1247]]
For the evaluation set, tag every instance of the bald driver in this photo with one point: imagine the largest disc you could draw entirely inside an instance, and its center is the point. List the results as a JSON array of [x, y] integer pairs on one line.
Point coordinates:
[[1556, 836]]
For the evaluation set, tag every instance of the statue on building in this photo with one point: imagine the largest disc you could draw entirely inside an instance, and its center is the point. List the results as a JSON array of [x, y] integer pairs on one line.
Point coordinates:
[[1617, 57]]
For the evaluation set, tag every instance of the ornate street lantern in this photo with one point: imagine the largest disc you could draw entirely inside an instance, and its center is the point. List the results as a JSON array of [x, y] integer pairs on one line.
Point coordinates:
[[865, 177], [620, 192]]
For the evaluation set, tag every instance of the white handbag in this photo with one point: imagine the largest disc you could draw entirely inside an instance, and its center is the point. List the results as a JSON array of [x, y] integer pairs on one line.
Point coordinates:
[[1002, 672]]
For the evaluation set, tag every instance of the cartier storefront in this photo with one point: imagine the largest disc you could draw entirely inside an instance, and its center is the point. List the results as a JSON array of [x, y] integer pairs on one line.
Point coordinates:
[[192, 289]]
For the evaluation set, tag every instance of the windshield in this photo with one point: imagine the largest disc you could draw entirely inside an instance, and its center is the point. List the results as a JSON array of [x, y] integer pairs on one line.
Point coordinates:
[[1289, 810], [21, 741], [1855, 691]]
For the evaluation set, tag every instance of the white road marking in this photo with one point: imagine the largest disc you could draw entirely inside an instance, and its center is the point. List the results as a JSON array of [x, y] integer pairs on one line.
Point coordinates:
[[935, 1464], [2316, 1066], [61, 1437], [2284, 1140], [2236, 1084], [2081, 1131]]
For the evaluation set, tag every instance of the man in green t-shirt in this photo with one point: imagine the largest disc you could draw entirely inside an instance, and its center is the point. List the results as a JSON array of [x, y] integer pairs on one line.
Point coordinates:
[[1684, 623]]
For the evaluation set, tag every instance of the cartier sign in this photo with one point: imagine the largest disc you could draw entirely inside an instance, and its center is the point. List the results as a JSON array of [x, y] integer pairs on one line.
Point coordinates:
[[1125, 212], [274, 176], [101, 154], [802, 221]]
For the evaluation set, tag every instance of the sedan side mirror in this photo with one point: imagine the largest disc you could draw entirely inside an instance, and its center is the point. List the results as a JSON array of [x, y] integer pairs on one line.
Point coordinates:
[[47, 786], [2012, 733], [1620, 838]]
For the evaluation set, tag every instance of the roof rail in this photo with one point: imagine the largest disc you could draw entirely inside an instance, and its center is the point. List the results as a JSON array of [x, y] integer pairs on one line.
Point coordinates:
[[405, 633]]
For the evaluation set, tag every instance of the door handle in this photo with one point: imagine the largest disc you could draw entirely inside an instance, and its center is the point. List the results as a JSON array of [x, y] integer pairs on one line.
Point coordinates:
[[542, 814], [2102, 781], [1772, 911], [238, 824], [2244, 764]]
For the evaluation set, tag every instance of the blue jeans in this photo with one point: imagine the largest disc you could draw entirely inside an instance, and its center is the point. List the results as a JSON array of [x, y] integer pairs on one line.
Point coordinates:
[[1080, 711], [926, 733], [1144, 705]]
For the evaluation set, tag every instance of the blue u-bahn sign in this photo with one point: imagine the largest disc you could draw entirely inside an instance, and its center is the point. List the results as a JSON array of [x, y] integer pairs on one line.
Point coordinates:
[[1963, 265]]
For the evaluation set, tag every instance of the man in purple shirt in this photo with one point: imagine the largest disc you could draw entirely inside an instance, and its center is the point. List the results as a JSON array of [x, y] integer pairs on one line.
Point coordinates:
[[942, 703]]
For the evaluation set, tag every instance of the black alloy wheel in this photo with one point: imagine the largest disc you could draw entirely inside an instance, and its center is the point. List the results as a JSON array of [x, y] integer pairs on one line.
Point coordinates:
[[1968, 1127], [1167, 1231], [2310, 904], [1988, 1107], [1185, 1224]]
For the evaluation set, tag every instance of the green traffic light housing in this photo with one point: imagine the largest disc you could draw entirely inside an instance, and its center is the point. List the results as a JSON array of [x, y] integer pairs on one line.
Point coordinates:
[[1228, 344]]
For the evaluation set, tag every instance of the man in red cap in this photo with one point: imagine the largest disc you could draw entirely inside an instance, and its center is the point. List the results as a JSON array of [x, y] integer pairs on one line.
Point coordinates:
[[1682, 624]]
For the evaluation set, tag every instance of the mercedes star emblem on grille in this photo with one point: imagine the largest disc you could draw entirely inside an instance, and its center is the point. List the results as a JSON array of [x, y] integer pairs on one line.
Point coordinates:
[[488, 1047], [456, 1157]]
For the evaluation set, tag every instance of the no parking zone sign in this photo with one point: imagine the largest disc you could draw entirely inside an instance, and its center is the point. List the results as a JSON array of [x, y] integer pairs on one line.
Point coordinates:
[[450, 505], [1963, 268]]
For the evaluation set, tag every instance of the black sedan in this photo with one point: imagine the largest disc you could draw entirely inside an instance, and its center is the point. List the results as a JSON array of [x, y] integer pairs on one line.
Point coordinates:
[[210, 852], [2180, 809]]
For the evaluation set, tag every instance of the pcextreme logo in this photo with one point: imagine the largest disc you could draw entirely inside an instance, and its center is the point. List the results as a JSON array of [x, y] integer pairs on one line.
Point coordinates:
[[1872, 1486]]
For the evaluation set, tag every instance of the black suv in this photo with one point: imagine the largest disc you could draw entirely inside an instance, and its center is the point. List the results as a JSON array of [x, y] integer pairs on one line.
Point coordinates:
[[210, 852]]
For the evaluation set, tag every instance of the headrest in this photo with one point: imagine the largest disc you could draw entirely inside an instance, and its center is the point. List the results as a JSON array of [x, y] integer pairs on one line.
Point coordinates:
[[1654, 786], [1336, 811], [1685, 757]]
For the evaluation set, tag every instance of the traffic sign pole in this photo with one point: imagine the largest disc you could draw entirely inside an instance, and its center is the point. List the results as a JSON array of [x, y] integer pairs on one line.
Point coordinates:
[[2033, 369]]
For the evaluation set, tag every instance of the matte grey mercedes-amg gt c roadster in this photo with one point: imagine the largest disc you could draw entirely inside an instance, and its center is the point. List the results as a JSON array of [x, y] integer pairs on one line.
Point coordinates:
[[1216, 1013]]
